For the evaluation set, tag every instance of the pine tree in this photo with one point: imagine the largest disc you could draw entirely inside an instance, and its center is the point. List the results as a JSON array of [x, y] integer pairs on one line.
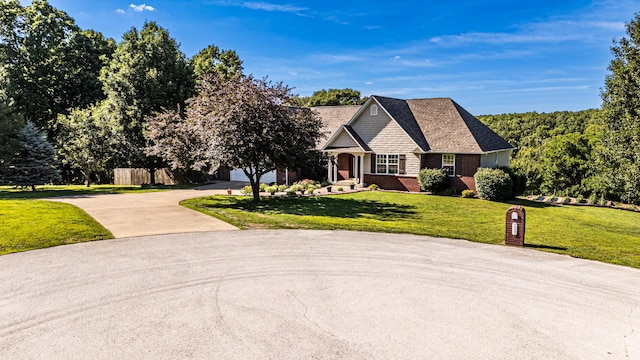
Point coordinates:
[[34, 163]]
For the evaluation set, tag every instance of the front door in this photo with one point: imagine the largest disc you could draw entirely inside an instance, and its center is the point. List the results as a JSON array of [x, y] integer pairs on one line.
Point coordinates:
[[345, 166]]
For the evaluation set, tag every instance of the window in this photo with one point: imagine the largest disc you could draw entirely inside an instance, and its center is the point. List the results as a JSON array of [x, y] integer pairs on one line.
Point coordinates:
[[449, 163], [374, 110], [387, 164]]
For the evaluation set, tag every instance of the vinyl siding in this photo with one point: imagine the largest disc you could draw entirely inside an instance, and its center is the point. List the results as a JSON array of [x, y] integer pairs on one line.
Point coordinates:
[[385, 136], [496, 159], [344, 140]]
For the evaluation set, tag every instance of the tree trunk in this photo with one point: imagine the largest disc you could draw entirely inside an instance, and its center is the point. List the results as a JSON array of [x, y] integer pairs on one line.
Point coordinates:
[[152, 171], [88, 178]]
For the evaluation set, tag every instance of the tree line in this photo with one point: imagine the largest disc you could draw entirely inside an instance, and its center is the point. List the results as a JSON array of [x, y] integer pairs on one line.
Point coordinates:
[[140, 102]]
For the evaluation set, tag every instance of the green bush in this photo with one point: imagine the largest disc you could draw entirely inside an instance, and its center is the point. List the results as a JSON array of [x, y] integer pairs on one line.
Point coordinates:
[[373, 187], [468, 193], [493, 184], [282, 188], [340, 188], [310, 190], [246, 190], [291, 192], [263, 187], [271, 189], [432, 180], [519, 181]]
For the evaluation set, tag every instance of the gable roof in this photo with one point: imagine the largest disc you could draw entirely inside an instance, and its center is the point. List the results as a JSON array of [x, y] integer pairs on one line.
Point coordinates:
[[436, 125], [400, 111], [448, 127]]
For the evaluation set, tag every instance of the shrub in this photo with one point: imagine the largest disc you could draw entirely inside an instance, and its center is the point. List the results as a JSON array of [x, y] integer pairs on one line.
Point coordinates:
[[493, 184], [449, 192], [432, 180], [340, 188], [291, 192], [246, 190], [468, 193], [373, 187], [271, 189], [282, 188], [310, 190], [263, 187], [519, 181]]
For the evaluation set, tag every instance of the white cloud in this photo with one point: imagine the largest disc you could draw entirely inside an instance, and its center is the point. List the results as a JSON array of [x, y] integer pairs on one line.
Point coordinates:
[[369, 83], [273, 7], [120, 11], [141, 7], [396, 58]]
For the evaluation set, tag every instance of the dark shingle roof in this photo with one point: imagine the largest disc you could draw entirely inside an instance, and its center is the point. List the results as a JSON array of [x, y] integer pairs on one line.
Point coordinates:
[[448, 127], [437, 125], [401, 112]]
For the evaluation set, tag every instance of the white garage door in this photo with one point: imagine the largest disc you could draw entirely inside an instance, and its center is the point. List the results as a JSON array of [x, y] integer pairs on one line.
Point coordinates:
[[238, 175]]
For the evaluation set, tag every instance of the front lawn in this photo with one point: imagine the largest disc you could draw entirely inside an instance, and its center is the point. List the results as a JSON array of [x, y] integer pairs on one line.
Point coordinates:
[[587, 232], [34, 224]]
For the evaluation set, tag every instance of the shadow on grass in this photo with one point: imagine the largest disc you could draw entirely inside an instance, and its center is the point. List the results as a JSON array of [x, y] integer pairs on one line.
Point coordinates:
[[318, 206], [545, 247]]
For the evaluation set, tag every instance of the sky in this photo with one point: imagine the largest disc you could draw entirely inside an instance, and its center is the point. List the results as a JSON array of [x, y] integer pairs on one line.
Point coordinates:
[[490, 56]]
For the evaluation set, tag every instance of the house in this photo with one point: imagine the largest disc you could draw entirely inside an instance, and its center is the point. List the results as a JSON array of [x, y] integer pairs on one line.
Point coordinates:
[[387, 141]]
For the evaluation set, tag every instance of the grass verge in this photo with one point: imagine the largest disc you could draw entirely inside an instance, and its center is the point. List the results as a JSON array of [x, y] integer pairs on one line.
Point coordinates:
[[587, 232], [35, 224]]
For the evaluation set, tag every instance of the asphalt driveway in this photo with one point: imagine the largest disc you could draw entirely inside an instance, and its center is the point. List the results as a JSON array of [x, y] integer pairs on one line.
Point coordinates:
[[152, 213], [313, 294]]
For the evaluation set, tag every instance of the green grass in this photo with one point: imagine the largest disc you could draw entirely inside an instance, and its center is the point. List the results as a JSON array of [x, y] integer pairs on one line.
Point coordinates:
[[587, 232], [36, 224], [48, 191]]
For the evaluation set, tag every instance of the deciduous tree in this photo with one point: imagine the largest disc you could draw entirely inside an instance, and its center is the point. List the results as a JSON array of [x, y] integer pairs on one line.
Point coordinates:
[[89, 139], [49, 64], [621, 106], [241, 123], [148, 73], [211, 60], [334, 97]]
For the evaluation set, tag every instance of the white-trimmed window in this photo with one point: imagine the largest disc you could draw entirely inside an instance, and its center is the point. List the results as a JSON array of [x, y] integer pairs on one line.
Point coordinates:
[[374, 110], [449, 163], [388, 164]]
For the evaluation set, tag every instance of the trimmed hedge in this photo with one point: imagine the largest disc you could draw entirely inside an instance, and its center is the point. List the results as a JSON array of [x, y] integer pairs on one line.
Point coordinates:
[[432, 180], [493, 184]]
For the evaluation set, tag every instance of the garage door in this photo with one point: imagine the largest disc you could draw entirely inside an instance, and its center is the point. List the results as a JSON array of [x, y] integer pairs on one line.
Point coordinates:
[[238, 175]]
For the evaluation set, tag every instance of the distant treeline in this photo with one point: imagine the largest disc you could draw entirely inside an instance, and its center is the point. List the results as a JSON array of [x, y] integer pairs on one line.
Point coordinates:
[[555, 151]]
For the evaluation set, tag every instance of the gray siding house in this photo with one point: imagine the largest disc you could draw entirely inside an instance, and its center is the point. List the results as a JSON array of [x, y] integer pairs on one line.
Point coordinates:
[[387, 141]]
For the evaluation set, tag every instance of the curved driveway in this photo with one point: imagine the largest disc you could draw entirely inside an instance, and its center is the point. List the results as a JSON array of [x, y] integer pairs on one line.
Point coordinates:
[[313, 294], [152, 213]]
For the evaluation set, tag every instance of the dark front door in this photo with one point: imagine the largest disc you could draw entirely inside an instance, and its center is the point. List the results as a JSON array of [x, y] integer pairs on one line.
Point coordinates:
[[345, 166]]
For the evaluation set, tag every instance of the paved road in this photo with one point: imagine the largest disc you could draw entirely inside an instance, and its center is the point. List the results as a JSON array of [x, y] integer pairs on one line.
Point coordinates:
[[153, 213], [313, 294]]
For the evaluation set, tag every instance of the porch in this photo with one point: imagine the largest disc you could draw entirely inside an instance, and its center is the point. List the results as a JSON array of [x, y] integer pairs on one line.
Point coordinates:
[[346, 167]]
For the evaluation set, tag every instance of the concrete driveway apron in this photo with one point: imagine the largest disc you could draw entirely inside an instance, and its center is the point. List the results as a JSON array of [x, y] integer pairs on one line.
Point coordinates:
[[153, 213]]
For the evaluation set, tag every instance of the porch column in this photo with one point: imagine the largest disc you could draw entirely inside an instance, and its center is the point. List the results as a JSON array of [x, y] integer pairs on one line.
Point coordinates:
[[361, 169], [329, 168]]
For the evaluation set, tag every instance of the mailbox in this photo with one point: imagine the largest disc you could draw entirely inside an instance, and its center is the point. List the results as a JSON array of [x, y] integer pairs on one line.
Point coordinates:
[[515, 225]]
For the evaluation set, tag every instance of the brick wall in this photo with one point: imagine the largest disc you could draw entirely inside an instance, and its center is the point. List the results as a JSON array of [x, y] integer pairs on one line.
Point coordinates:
[[392, 182]]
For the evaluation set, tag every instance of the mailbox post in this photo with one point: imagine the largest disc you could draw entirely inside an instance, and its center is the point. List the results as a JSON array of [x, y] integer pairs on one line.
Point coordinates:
[[515, 225]]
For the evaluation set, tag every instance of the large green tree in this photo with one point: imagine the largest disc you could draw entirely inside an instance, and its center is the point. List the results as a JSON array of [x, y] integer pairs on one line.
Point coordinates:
[[49, 64], [89, 139], [621, 106], [240, 123], [324, 97], [10, 125], [211, 60], [148, 73]]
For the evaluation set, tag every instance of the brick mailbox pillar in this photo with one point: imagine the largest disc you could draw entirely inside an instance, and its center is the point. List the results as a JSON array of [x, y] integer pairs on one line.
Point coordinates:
[[514, 234]]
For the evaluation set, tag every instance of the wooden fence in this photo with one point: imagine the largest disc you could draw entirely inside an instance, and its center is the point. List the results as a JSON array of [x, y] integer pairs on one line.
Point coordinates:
[[129, 176]]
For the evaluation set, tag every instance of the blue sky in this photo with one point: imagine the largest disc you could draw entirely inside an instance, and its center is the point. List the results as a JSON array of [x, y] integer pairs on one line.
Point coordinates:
[[490, 56]]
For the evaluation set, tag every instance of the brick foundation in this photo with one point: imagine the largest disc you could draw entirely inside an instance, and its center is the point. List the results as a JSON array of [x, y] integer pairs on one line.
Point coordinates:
[[392, 182]]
